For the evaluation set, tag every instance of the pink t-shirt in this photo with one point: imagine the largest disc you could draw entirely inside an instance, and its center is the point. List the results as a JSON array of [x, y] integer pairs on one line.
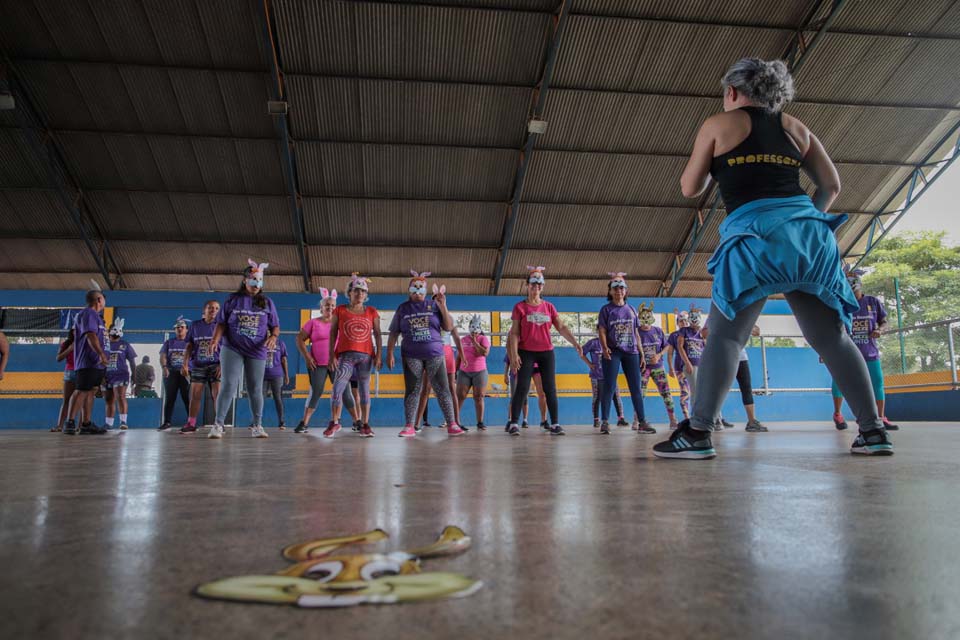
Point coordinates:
[[475, 361], [534, 323], [319, 332]]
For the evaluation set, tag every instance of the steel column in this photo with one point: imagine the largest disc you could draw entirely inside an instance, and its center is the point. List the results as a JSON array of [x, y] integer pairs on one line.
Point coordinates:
[[553, 48]]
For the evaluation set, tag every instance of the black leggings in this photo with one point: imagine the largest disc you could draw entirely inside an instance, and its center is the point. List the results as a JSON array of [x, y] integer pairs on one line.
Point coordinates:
[[546, 362], [173, 384], [743, 379]]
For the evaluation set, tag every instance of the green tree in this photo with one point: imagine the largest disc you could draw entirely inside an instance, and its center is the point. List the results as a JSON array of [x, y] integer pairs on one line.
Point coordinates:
[[929, 277]]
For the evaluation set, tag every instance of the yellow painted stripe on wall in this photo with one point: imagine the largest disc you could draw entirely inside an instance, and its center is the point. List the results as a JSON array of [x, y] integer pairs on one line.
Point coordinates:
[[32, 381]]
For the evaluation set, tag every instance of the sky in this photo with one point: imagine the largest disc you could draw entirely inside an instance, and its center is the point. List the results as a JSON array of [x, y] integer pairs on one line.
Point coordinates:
[[937, 209]]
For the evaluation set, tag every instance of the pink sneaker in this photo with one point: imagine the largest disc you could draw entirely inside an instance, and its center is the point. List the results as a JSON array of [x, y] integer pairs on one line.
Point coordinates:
[[455, 430], [331, 429], [408, 432]]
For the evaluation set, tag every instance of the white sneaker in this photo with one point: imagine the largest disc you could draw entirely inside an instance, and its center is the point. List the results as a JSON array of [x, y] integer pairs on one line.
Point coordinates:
[[216, 432], [258, 432]]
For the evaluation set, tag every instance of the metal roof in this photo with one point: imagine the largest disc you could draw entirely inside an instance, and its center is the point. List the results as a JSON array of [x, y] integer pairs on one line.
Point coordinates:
[[406, 128]]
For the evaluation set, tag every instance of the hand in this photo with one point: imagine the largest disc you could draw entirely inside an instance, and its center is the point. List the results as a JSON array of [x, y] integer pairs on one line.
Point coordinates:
[[463, 363], [506, 380], [579, 349], [875, 334], [103, 359], [391, 360], [656, 359], [515, 363], [166, 372], [441, 299], [679, 375], [606, 353], [311, 362], [271, 342], [333, 362], [185, 371], [286, 381], [378, 361]]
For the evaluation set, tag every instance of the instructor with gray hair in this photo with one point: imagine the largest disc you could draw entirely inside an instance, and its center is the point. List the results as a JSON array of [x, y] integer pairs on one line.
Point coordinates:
[[775, 239]]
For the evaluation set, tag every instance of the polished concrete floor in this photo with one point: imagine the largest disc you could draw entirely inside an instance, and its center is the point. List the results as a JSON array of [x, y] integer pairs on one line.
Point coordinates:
[[784, 535]]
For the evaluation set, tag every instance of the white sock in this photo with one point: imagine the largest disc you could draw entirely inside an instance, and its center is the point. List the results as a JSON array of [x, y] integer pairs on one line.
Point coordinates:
[[123, 418], [109, 422]]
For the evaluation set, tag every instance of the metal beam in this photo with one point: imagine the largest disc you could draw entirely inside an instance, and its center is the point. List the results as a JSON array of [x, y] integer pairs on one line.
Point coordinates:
[[924, 174], [558, 25], [282, 126], [45, 146], [797, 52]]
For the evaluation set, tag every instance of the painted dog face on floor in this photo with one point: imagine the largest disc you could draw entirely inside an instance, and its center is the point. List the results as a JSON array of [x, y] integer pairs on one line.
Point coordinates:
[[321, 577]]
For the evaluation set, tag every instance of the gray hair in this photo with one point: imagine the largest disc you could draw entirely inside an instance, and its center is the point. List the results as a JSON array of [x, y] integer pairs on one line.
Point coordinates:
[[767, 83]]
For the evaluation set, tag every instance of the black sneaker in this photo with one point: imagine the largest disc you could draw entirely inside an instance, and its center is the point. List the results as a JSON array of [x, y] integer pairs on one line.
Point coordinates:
[[872, 443], [839, 422], [596, 423], [643, 427], [556, 430], [480, 426], [281, 426], [426, 424], [356, 425], [301, 428], [70, 428], [545, 426], [605, 428], [524, 425], [889, 426], [755, 426], [188, 428], [507, 427], [164, 426], [726, 425], [91, 428], [622, 422], [513, 429], [687, 444]]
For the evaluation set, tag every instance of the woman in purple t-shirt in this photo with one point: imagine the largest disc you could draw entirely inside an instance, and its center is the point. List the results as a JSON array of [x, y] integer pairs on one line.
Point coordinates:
[[249, 325], [122, 359], [690, 345], [617, 326]]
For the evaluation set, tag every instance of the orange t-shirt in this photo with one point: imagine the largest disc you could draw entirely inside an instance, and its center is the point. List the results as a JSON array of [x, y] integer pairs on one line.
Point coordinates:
[[355, 331]]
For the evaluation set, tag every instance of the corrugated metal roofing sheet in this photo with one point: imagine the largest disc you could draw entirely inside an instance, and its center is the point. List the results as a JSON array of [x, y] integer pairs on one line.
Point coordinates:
[[19, 166], [393, 286], [202, 258], [693, 289], [212, 283], [34, 213], [599, 228], [595, 287], [73, 280], [639, 55], [392, 171], [602, 178], [585, 264], [759, 12], [415, 42], [394, 261], [403, 222], [903, 16], [28, 254], [355, 110]]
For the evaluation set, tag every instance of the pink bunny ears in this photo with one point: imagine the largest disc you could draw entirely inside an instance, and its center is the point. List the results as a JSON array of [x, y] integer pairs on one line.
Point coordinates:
[[420, 276], [328, 295], [618, 275], [358, 282], [256, 269], [535, 275], [441, 289]]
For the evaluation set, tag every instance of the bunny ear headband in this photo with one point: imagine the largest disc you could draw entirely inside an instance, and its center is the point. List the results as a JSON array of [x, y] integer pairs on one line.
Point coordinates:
[[94, 285], [681, 315], [617, 279], [357, 282], [325, 294], [535, 275], [181, 322], [420, 276], [256, 270], [117, 328], [475, 324]]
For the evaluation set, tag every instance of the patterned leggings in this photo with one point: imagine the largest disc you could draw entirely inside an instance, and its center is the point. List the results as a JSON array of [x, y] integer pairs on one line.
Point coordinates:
[[347, 363], [597, 387], [684, 394], [663, 386], [436, 370]]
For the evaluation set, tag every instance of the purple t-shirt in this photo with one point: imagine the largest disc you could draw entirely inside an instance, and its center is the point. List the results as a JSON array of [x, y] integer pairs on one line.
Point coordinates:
[[593, 350], [865, 321], [88, 321], [174, 349], [119, 353], [677, 361], [652, 342], [693, 344], [620, 323], [247, 325], [200, 335], [419, 323], [275, 356]]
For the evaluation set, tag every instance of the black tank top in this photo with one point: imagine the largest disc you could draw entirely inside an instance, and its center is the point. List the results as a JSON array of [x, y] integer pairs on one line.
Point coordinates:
[[765, 165]]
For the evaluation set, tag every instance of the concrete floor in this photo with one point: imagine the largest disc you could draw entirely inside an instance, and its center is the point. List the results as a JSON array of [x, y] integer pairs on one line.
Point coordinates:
[[783, 535]]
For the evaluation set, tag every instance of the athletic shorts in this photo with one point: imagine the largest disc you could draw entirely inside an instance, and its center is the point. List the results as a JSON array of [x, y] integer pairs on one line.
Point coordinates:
[[206, 373], [448, 356], [475, 379], [69, 375], [113, 384], [89, 379]]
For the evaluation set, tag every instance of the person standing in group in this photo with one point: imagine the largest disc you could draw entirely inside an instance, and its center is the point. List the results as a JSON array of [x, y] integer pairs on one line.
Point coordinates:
[[90, 359], [249, 325], [122, 360], [69, 379], [276, 376], [869, 320], [474, 349], [775, 239], [529, 343], [654, 346], [143, 378], [510, 381], [593, 356], [317, 331], [675, 363], [617, 327], [355, 346], [746, 388], [420, 322], [690, 346], [201, 362], [175, 383]]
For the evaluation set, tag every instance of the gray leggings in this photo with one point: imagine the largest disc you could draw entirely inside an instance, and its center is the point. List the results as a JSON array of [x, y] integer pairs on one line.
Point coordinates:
[[318, 379], [231, 366], [276, 389], [436, 369], [822, 328]]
